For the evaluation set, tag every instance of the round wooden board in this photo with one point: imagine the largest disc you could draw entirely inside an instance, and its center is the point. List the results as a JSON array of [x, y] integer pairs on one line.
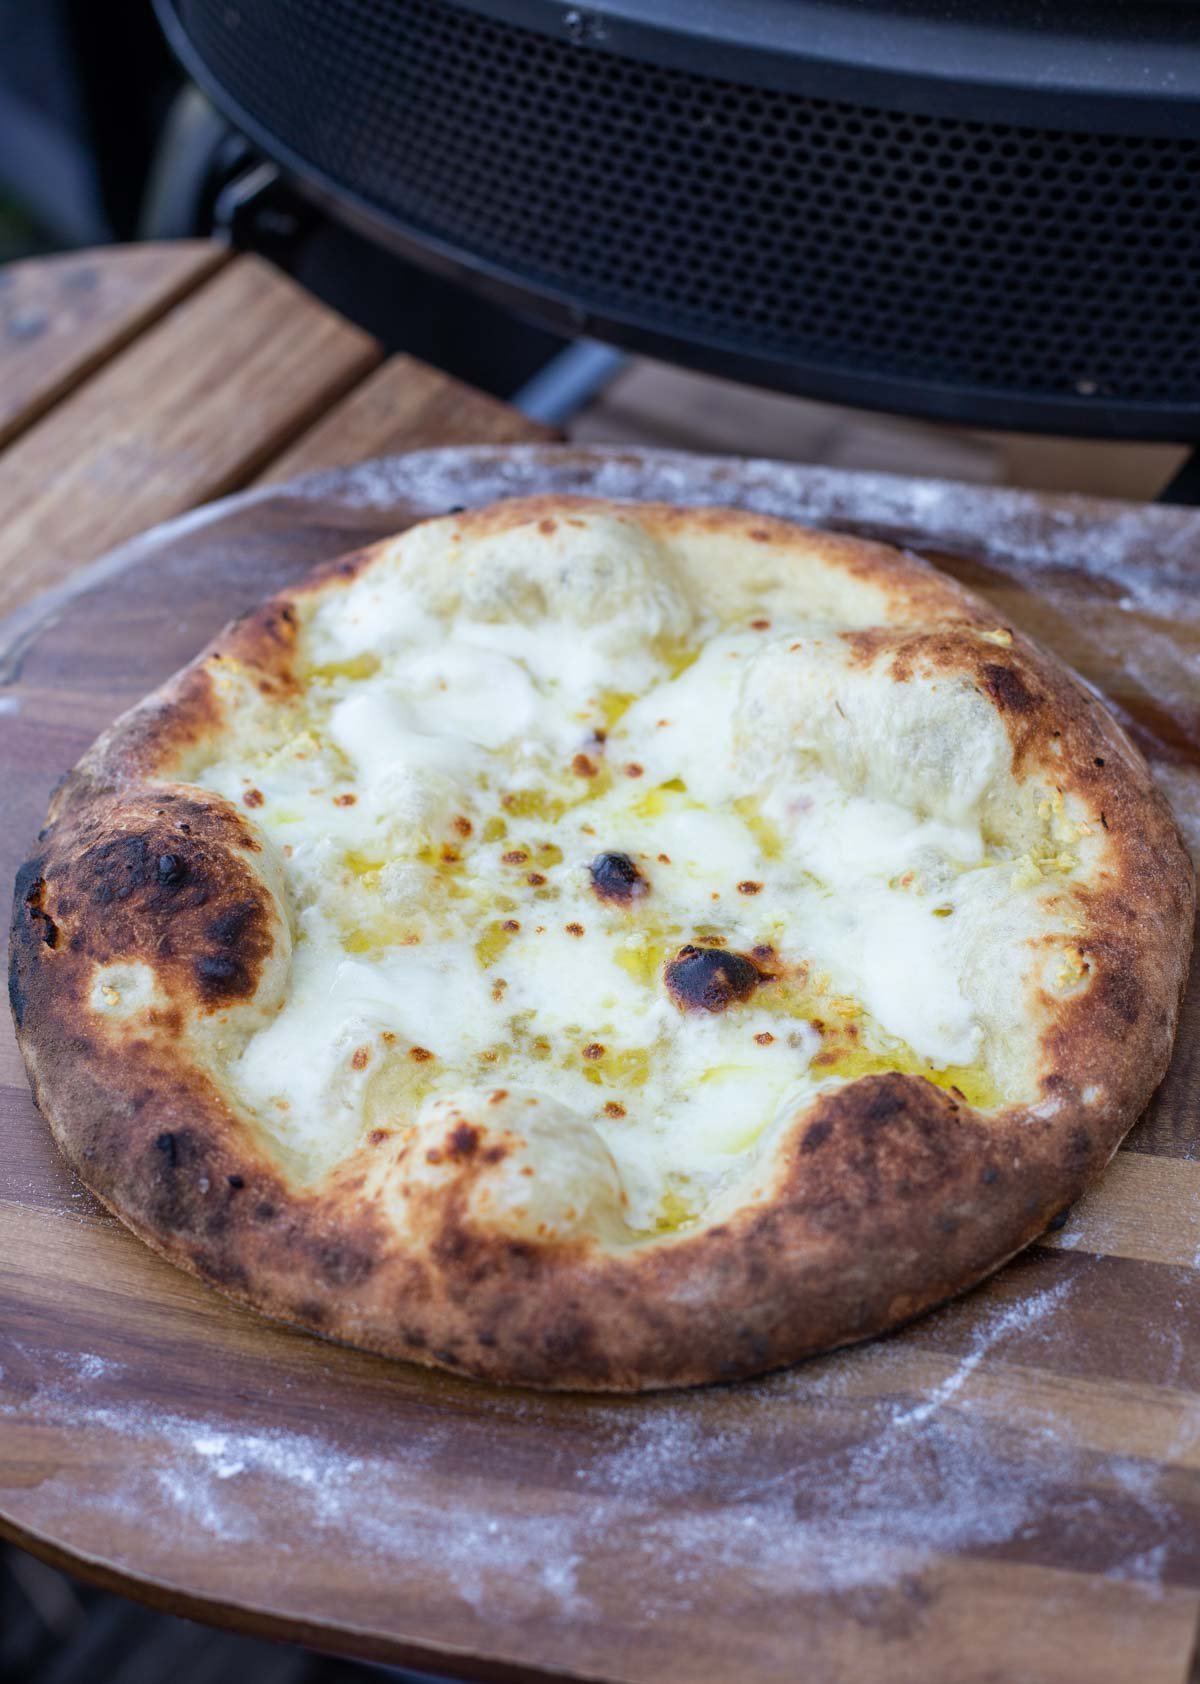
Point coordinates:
[[1007, 1489]]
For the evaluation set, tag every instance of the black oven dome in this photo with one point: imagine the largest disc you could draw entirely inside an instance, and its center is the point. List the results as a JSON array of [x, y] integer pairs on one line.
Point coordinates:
[[1017, 244]]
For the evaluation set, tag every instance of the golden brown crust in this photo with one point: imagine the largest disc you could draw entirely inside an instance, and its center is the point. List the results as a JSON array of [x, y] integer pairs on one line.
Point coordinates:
[[889, 1195]]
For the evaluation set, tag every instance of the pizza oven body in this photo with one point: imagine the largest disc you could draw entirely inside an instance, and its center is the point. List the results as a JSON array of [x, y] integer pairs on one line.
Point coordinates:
[[984, 212]]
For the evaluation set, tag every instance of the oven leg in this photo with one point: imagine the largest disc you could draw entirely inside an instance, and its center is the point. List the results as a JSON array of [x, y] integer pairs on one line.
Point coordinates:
[[1184, 484]]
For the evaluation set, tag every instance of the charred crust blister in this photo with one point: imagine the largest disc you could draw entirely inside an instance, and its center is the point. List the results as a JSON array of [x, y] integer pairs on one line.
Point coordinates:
[[168, 1145], [172, 870], [237, 934], [34, 934], [1007, 688], [35, 898], [221, 976], [175, 894]]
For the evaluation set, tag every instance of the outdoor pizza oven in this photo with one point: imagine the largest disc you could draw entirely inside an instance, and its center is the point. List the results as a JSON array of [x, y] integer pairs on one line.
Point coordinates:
[[980, 210]]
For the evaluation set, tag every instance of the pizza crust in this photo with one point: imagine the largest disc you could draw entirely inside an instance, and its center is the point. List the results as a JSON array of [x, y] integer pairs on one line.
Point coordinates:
[[154, 937]]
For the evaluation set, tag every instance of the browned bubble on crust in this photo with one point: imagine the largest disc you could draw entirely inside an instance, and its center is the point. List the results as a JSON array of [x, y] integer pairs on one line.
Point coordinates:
[[1007, 688], [162, 879]]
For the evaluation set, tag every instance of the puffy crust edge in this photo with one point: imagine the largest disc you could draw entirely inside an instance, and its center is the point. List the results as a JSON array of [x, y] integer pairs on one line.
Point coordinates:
[[888, 1195]]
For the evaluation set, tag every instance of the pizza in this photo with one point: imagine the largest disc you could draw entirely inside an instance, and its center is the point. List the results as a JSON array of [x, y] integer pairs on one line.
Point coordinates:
[[603, 946]]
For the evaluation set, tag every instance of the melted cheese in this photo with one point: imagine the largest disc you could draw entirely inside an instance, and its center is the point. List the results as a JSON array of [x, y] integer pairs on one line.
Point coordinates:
[[484, 719]]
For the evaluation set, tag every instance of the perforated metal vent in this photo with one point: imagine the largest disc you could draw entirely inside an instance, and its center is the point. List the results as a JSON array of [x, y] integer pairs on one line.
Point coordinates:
[[1030, 274]]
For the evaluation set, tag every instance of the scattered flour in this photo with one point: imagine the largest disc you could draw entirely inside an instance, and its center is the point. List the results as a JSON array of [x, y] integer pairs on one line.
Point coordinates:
[[1048, 535], [1019, 1315], [832, 1477], [92, 1367]]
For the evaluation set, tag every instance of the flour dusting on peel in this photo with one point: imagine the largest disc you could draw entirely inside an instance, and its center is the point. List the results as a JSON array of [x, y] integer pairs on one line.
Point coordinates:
[[1025, 1314], [1045, 534], [800, 1483]]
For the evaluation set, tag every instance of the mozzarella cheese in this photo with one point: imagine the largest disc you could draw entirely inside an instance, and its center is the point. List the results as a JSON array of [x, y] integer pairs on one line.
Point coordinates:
[[482, 720]]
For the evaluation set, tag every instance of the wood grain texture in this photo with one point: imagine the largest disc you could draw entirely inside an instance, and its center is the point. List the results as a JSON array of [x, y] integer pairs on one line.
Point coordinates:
[[403, 405], [61, 317], [1145, 1207], [1008, 1489], [188, 412]]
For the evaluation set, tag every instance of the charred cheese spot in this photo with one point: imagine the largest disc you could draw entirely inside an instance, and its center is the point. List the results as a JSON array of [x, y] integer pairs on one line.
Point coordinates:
[[617, 878], [707, 979]]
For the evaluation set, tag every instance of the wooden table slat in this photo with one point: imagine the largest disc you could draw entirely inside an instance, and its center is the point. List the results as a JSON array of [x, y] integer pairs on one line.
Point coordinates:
[[403, 405], [188, 412], [61, 317]]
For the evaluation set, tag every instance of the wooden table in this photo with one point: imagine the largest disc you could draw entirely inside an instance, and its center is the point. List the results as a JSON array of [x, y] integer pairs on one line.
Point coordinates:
[[140, 381], [1006, 1493]]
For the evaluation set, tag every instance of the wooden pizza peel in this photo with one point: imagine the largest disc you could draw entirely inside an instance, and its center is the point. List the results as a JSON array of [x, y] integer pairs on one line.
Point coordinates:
[[1006, 1490]]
